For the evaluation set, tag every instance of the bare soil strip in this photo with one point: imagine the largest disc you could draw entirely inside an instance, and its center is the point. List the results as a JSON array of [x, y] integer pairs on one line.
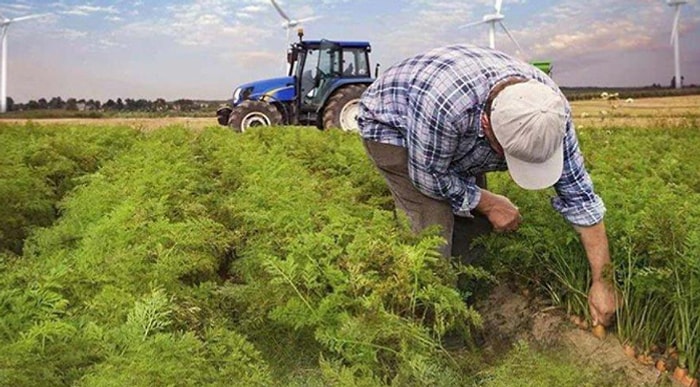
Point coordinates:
[[510, 316]]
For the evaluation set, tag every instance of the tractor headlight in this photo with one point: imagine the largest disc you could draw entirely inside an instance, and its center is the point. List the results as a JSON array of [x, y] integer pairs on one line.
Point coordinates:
[[236, 95]]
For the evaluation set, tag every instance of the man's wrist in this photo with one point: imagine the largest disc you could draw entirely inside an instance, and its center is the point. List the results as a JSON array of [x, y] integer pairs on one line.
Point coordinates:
[[605, 274], [485, 203]]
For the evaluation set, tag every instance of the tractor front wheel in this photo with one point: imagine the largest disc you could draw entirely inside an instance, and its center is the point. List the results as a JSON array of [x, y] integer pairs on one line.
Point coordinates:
[[222, 115], [343, 107], [253, 113]]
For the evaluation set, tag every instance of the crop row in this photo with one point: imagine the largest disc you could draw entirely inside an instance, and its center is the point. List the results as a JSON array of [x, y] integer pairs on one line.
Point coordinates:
[[185, 258], [650, 183], [189, 259]]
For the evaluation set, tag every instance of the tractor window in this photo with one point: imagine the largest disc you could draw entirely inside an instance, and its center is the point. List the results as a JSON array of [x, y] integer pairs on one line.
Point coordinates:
[[355, 63], [329, 61], [308, 73], [328, 68]]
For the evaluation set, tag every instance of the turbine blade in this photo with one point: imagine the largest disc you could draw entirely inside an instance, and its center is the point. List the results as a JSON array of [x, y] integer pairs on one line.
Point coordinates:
[[511, 37], [471, 24], [306, 19], [21, 18], [676, 20], [280, 11], [497, 6]]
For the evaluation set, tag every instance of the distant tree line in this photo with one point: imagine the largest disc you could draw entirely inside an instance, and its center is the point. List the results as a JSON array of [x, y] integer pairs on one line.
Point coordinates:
[[127, 104], [188, 105]]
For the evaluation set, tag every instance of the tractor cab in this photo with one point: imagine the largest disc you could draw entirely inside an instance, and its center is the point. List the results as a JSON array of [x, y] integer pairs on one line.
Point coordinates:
[[322, 87], [323, 67], [320, 67]]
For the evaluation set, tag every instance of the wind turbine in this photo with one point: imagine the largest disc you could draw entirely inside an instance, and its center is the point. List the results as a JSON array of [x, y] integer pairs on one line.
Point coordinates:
[[674, 38], [492, 19], [4, 26], [290, 23]]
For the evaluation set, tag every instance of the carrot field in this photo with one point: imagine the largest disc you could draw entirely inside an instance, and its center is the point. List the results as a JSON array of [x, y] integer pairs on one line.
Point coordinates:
[[187, 254]]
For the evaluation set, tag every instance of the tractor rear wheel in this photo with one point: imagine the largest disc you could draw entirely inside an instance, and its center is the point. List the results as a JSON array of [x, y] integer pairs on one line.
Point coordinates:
[[253, 113], [343, 107]]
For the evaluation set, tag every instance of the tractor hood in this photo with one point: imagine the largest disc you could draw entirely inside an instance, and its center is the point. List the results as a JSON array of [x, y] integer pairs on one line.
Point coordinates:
[[275, 89]]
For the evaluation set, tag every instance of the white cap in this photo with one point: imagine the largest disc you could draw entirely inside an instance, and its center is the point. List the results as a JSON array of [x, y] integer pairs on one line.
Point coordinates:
[[529, 121]]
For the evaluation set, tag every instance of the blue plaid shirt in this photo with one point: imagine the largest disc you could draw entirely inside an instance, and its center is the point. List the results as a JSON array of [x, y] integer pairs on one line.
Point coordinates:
[[431, 105]]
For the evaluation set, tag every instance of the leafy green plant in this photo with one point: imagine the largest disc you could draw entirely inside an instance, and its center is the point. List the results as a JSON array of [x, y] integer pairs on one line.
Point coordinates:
[[650, 186], [686, 302], [40, 165], [374, 296], [643, 319], [176, 257], [524, 366]]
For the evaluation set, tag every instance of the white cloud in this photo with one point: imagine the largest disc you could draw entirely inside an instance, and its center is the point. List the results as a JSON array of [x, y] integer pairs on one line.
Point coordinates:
[[108, 42], [86, 10], [14, 7], [254, 8], [71, 34]]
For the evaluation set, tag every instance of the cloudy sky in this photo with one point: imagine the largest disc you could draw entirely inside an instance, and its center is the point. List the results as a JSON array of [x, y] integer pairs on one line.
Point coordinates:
[[201, 49]]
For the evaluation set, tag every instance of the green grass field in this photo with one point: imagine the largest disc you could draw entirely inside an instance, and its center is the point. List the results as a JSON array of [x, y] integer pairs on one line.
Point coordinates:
[[272, 257]]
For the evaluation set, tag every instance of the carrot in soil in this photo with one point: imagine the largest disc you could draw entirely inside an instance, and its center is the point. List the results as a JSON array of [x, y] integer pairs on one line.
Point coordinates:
[[672, 352], [580, 322], [645, 359], [661, 365], [690, 382], [576, 320], [629, 351], [680, 374], [599, 331]]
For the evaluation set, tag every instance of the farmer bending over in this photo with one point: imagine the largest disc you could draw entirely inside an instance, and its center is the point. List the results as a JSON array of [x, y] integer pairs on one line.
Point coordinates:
[[435, 123]]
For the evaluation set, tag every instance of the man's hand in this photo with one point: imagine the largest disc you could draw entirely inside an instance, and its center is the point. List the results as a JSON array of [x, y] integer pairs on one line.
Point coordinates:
[[503, 215], [602, 302]]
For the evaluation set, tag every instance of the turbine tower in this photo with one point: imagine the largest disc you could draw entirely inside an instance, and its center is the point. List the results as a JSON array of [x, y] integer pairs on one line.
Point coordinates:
[[492, 19], [4, 26], [674, 39], [290, 23]]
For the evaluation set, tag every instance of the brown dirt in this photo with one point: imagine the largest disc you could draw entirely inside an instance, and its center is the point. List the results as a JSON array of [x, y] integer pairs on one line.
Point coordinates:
[[509, 317]]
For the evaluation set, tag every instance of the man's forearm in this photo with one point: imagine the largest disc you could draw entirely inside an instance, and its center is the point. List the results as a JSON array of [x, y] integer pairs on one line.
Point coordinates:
[[595, 242]]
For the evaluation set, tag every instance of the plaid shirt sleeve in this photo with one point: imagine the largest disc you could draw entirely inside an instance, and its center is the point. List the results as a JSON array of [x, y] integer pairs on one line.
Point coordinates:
[[575, 199], [431, 145]]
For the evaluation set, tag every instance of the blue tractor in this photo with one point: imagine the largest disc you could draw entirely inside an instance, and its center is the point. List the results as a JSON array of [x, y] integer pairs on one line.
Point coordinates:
[[323, 88]]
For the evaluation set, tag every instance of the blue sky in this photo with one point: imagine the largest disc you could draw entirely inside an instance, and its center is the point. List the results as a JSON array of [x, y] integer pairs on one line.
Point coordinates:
[[203, 48]]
